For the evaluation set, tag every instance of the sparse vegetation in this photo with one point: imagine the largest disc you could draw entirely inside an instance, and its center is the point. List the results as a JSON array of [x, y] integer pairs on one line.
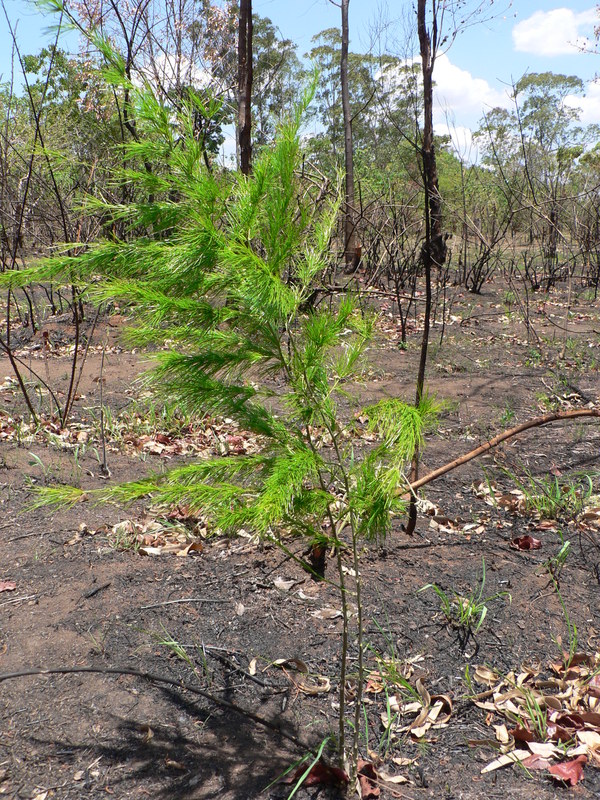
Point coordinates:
[[286, 329]]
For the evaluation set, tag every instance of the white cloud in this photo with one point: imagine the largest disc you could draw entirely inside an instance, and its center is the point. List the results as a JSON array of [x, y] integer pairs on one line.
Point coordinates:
[[589, 104], [561, 31], [461, 94], [462, 140], [457, 93], [170, 71]]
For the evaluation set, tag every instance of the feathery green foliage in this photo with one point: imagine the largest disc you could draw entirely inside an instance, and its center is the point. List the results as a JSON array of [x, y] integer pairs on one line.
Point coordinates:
[[220, 268]]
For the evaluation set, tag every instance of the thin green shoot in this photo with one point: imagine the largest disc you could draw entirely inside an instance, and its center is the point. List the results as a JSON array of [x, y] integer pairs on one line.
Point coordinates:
[[553, 496], [466, 612], [555, 564], [571, 630], [314, 760]]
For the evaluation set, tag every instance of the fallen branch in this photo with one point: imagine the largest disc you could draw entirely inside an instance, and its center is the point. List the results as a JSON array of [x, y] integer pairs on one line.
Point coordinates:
[[149, 676], [552, 416]]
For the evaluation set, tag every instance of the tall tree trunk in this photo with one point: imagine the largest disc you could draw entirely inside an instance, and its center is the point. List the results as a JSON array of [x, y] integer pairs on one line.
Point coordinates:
[[245, 85], [351, 251], [433, 252]]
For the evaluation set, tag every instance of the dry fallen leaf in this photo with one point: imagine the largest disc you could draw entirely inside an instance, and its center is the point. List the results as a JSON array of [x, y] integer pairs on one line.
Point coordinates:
[[326, 613], [290, 663], [283, 585], [485, 675], [7, 586], [569, 771], [403, 762], [383, 776], [508, 758], [367, 780], [194, 547], [544, 749], [320, 774], [174, 764], [525, 543], [536, 762], [314, 684]]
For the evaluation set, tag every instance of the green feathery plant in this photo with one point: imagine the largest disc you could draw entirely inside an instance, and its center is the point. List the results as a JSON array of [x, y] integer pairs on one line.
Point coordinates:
[[221, 267]]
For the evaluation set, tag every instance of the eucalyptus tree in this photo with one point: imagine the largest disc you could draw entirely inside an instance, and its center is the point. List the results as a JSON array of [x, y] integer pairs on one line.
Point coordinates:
[[534, 149], [245, 70], [277, 81]]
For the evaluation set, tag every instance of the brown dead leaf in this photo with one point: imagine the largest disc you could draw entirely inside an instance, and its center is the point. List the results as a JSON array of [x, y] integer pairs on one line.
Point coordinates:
[[375, 683], [486, 676], [320, 774], [525, 543], [7, 586], [569, 771], [314, 684], [594, 685], [545, 525], [536, 762], [194, 547], [367, 780], [522, 734]]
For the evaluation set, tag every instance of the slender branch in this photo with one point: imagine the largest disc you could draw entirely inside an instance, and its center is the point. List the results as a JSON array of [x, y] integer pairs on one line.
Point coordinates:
[[552, 416]]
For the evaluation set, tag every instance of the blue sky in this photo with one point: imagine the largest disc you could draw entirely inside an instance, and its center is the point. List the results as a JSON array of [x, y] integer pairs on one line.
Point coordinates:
[[528, 36], [483, 61]]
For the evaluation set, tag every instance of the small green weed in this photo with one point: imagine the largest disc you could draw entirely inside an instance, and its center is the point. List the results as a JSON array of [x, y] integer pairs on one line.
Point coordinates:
[[554, 496], [507, 416], [466, 612], [534, 357], [572, 632], [555, 564], [547, 402], [509, 299], [36, 461]]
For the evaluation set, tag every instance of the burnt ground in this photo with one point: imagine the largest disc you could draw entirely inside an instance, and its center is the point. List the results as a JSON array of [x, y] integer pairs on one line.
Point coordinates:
[[86, 594]]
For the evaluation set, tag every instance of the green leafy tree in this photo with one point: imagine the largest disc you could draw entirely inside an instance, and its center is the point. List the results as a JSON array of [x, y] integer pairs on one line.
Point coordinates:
[[227, 287], [534, 149], [277, 75]]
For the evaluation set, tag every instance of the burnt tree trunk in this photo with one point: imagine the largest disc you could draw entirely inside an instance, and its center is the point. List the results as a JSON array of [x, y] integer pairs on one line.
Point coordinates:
[[245, 85], [433, 251], [351, 249]]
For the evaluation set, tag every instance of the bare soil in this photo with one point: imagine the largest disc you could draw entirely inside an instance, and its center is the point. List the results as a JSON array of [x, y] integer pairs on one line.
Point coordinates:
[[85, 597]]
